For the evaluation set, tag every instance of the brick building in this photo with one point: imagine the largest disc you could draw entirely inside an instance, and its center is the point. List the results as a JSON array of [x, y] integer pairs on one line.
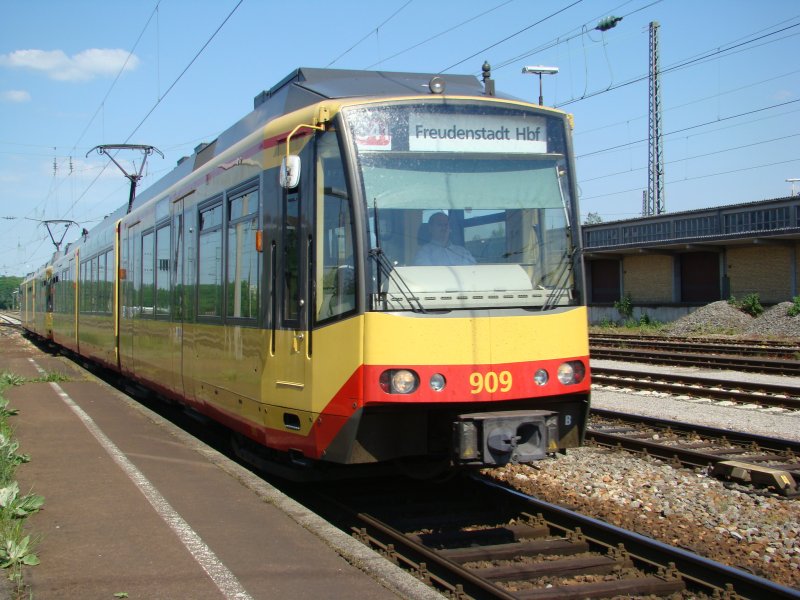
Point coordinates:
[[672, 263]]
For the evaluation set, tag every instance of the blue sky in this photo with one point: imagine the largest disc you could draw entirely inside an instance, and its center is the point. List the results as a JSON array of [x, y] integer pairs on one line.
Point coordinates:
[[77, 74]]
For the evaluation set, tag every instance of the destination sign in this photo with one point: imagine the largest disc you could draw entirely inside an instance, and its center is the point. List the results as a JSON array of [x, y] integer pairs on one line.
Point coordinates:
[[476, 133]]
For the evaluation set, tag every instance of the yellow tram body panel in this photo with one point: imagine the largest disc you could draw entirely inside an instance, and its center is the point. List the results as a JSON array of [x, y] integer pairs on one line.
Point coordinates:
[[476, 340]]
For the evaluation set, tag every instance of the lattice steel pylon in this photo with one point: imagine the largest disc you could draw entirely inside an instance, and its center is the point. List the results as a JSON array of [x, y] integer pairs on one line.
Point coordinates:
[[656, 199]]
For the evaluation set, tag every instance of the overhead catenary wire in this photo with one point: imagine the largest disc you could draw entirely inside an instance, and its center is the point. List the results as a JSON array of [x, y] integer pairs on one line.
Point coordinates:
[[150, 112], [690, 127], [371, 31], [703, 176], [513, 35], [440, 34], [677, 66], [566, 37], [55, 186], [163, 96], [420, 43], [704, 155]]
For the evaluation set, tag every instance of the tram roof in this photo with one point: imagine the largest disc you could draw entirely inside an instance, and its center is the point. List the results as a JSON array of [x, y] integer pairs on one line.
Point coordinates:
[[305, 86]]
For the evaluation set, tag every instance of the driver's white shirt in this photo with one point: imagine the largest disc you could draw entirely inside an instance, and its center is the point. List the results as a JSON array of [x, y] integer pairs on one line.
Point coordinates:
[[432, 254]]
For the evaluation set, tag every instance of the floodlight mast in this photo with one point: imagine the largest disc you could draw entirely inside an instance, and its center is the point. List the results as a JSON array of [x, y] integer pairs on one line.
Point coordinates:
[[134, 177], [540, 70], [793, 180]]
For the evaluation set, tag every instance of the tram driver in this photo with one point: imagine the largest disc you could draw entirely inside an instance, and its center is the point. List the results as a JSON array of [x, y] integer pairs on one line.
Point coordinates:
[[439, 251]]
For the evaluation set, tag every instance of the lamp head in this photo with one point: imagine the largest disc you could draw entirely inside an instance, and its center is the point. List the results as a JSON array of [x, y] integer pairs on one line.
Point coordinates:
[[540, 70]]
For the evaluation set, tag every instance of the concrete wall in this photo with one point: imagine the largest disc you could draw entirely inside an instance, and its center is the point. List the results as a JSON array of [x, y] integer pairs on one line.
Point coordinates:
[[662, 314]]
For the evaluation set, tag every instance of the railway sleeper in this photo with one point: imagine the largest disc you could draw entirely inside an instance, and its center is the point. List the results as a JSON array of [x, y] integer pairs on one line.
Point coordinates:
[[639, 586], [777, 479], [562, 567], [505, 534], [513, 550]]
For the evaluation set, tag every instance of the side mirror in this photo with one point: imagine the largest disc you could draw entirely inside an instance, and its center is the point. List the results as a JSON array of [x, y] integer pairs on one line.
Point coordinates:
[[290, 171]]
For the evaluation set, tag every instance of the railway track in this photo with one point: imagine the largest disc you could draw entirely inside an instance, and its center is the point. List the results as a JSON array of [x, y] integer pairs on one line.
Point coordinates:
[[753, 364], [471, 538], [530, 549], [7, 319], [742, 457], [739, 347], [775, 357], [679, 384]]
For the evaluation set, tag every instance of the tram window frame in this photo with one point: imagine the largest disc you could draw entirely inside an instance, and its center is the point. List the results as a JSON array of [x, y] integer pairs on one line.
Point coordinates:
[[292, 251], [110, 270], [84, 287], [239, 214], [70, 292], [147, 271], [178, 284], [336, 268], [99, 276], [161, 271], [205, 230]]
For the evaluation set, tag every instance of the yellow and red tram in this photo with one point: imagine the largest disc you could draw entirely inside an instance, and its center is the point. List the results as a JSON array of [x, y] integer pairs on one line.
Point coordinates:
[[294, 279]]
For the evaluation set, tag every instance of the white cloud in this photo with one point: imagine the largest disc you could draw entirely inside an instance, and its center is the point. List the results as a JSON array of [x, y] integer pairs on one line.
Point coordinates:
[[15, 96], [82, 66]]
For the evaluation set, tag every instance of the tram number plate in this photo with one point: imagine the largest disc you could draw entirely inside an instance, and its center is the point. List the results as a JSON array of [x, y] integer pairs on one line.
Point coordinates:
[[490, 382]]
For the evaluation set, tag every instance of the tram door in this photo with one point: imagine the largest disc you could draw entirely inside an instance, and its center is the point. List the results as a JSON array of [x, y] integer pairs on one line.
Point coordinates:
[[177, 290], [127, 291], [293, 350], [290, 333]]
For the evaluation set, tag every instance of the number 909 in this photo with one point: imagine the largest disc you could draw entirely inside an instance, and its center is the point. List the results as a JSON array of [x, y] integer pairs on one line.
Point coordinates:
[[490, 382]]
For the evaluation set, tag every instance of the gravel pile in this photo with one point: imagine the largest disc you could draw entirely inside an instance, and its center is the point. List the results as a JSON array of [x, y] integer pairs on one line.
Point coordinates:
[[775, 322], [684, 508], [715, 318], [722, 318]]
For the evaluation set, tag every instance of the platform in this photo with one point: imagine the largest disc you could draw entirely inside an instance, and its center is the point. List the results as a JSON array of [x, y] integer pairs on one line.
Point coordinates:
[[134, 506]]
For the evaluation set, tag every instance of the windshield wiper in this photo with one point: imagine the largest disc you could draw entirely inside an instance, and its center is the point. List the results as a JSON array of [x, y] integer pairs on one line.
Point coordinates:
[[386, 268], [560, 288]]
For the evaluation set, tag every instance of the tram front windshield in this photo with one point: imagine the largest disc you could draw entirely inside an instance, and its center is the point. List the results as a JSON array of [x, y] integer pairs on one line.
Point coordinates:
[[468, 206]]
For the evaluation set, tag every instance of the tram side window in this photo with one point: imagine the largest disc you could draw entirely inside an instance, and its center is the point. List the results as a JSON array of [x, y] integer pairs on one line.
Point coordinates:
[[109, 298], [291, 257], [148, 276], [335, 272], [84, 287], [92, 287], [70, 288], [162, 271], [100, 288], [209, 265], [243, 276]]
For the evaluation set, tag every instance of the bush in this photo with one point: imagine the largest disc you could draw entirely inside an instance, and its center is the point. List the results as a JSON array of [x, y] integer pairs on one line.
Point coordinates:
[[794, 309], [625, 306], [750, 305]]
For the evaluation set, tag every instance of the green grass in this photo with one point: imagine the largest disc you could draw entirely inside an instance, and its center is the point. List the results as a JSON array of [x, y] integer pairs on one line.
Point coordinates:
[[16, 547], [642, 326]]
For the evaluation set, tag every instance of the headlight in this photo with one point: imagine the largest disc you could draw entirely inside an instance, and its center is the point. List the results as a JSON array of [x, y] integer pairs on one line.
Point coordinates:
[[400, 381], [565, 373], [571, 372], [540, 377], [437, 382]]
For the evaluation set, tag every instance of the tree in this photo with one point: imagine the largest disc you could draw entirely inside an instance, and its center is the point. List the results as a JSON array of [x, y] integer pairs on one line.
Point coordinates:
[[8, 285], [593, 218]]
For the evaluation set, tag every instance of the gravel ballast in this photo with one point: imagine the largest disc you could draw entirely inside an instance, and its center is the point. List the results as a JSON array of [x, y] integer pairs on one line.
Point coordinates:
[[755, 531]]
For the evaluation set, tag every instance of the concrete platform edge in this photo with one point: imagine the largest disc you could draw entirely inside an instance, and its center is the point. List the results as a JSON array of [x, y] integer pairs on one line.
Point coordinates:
[[354, 552]]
